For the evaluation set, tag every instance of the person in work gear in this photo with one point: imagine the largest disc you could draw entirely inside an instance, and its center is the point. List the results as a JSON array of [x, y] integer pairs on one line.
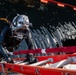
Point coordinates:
[[12, 33]]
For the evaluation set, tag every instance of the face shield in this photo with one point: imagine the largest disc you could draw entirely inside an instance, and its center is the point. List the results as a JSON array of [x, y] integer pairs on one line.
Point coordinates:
[[18, 25], [19, 22]]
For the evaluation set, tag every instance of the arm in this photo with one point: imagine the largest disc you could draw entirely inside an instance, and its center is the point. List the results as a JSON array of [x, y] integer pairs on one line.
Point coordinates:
[[2, 36], [29, 40]]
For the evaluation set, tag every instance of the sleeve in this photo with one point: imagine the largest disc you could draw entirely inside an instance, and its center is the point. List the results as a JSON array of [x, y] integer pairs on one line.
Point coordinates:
[[29, 40], [34, 61], [2, 36], [26, 60]]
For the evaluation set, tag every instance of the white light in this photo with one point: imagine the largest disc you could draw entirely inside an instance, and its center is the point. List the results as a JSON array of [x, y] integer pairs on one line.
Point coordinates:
[[61, 5], [74, 8]]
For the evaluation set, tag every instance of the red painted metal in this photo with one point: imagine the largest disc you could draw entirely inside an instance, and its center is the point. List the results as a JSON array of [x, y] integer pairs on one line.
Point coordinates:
[[38, 70], [61, 3], [70, 49]]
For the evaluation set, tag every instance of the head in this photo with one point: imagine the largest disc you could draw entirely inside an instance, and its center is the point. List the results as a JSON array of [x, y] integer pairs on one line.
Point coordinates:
[[29, 55]]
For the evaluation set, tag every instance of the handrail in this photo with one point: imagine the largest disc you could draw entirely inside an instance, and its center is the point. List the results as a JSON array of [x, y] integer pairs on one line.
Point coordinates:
[[49, 50], [61, 4], [37, 70]]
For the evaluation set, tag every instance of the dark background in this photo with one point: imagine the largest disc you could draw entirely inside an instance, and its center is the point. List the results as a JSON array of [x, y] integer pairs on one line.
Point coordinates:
[[41, 14]]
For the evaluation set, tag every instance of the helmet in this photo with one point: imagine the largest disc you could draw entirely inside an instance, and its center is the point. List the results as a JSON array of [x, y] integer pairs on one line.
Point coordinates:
[[19, 21]]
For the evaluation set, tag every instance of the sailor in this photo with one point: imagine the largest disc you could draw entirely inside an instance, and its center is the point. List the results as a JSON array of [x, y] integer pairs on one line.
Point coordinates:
[[17, 30], [3, 30], [30, 58], [20, 30]]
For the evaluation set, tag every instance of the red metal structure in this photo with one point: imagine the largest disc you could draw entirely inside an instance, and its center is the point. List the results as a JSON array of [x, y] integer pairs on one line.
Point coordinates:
[[70, 49], [39, 70], [61, 4]]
